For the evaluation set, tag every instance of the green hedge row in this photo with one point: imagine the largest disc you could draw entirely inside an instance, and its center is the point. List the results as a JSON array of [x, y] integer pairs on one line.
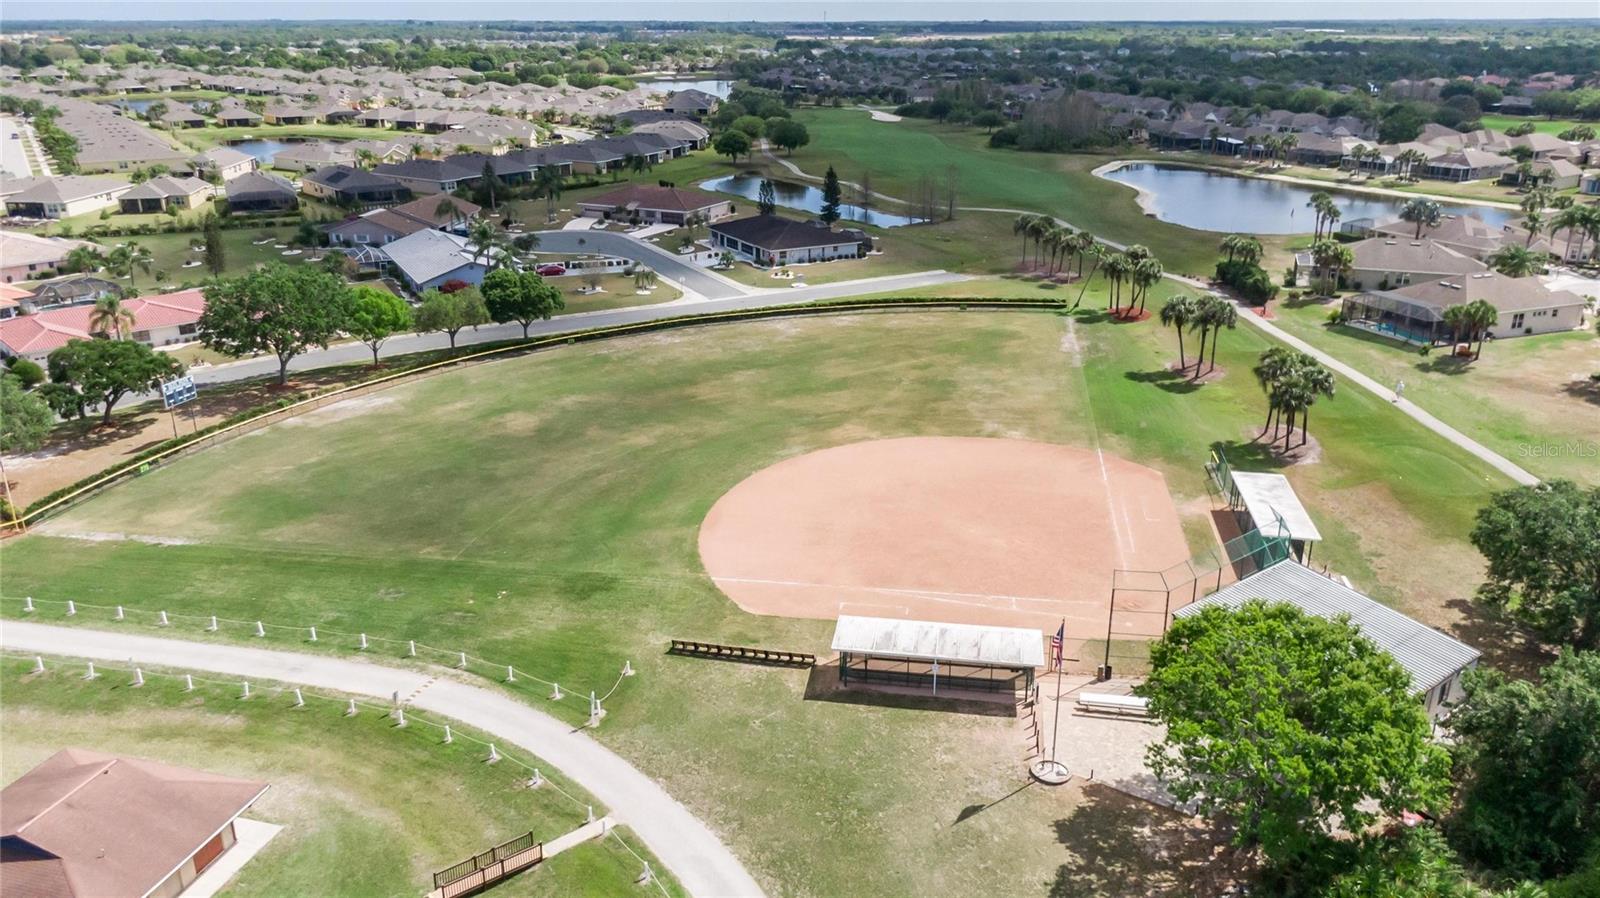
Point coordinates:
[[510, 348]]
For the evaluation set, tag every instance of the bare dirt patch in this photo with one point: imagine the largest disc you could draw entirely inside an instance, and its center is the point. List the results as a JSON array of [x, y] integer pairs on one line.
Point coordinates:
[[1208, 374], [104, 536], [339, 411], [1308, 452], [964, 529]]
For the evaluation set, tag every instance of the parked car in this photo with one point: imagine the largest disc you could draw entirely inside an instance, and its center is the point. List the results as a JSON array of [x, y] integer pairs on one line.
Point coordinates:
[[551, 269]]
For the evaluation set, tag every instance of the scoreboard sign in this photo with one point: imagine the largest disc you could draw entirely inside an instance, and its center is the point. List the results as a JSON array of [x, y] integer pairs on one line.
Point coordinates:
[[177, 391]]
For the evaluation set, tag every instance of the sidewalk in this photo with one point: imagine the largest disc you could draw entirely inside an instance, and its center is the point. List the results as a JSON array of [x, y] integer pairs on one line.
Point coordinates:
[[694, 854]]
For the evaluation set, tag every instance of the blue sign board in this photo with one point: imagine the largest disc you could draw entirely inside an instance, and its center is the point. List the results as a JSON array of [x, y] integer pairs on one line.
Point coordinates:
[[178, 391]]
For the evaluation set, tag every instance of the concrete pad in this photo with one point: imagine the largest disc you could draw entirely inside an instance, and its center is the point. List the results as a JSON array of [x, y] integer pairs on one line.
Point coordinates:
[[253, 835], [582, 223], [1101, 748]]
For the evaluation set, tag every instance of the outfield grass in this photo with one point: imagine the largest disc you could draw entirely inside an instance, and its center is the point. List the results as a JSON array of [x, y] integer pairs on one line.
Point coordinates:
[[367, 808], [543, 511]]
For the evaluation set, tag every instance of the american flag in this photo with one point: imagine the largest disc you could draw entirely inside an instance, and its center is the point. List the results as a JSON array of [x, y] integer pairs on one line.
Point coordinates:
[[1056, 644]]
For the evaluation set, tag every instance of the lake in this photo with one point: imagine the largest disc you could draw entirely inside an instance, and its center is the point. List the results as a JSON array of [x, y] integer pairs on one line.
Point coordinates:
[[263, 148], [713, 86], [803, 197], [1212, 201]]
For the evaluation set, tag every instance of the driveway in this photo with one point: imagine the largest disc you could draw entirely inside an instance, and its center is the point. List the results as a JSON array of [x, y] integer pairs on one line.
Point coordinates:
[[706, 283], [686, 845]]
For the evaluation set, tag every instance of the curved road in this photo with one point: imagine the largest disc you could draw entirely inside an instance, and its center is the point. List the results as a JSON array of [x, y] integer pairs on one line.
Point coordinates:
[[687, 846]]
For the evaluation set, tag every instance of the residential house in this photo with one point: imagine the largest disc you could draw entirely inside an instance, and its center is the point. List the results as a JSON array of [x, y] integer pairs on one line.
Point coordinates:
[[312, 155], [430, 258], [27, 257], [641, 203], [83, 824], [111, 142], [182, 115], [353, 186], [1466, 234], [1385, 262], [233, 114], [160, 320], [1589, 184], [166, 192], [1416, 313], [374, 227], [587, 158], [771, 240], [447, 213], [1468, 164], [697, 103], [223, 163], [70, 290], [261, 191], [288, 114], [66, 196], [429, 175], [1558, 174], [689, 135]]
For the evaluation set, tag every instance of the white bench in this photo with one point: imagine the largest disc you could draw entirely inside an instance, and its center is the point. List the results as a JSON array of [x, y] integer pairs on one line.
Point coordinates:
[[1113, 704]]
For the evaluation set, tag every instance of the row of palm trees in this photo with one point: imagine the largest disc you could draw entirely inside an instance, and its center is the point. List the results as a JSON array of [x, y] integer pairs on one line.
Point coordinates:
[[1326, 211], [1293, 381], [1136, 267], [1207, 314], [123, 261], [1471, 322], [1064, 244], [1242, 247]]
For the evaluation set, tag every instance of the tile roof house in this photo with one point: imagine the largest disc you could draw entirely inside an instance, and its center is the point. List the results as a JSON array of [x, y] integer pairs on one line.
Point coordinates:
[[772, 240], [375, 227], [1416, 313], [655, 205], [158, 320], [1468, 164], [1466, 234], [25, 257], [84, 824], [111, 142], [182, 116], [233, 114]]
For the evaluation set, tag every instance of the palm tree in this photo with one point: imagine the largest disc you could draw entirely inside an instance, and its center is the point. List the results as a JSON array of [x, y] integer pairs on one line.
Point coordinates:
[[1037, 228], [1516, 261], [1022, 226], [1319, 202], [1116, 266], [1274, 365], [487, 244], [1569, 219], [1218, 313], [84, 258], [1287, 143], [1313, 381], [547, 181], [1422, 212], [1533, 222], [110, 317], [1480, 316], [1177, 312], [366, 158], [123, 261], [1146, 273], [644, 278], [1331, 258]]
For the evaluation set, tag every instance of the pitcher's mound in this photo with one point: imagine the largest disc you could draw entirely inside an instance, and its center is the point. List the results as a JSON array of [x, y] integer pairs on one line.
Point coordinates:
[[969, 530]]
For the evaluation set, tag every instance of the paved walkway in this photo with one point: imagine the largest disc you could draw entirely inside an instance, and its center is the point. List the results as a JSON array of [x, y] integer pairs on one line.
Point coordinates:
[[687, 846]]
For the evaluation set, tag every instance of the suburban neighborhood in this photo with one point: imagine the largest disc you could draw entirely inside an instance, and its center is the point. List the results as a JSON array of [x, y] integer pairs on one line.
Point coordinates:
[[1118, 450]]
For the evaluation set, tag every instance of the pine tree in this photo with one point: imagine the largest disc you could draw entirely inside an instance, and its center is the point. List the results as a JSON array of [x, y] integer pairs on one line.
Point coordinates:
[[216, 252], [767, 198], [831, 196]]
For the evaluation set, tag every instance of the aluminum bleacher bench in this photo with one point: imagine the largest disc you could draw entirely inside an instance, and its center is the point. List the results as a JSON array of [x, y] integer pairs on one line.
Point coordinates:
[[741, 653], [1106, 703]]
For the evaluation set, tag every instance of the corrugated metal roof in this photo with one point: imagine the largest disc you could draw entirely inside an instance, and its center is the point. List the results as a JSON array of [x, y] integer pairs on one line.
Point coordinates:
[[1428, 655], [1266, 494], [966, 643]]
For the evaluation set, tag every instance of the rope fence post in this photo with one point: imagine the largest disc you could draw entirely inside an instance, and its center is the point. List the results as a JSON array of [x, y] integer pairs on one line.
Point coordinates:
[[411, 648], [399, 717], [299, 700], [27, 604], [119, 613], [313, 634], [188, 682], [138, 677], [363, 642], [351, 711], [90, 674], [536, 780], [627, 668], [555, 694], [447, 737], [511, 674], [461, 664], [72, 608], [261, 631], [213, 626], [164, 621], [494, 754], [246, 690], [38, 664]]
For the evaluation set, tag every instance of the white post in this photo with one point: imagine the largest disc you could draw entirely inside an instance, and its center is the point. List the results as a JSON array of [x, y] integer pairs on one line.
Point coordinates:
[[627, 668], [363, 642], [351, 711], [462, 664], [447, 737], [511, 674], [395, 700], [138, 677], [411, 647], [400, 717], [119, 612], [72, 608], [591, 815], [188, 682], [299, 700], [313, 634], [90, 674], [213, 627], [646, 877], [537, 780], [556, 695], [27, 603], [260, 630], [494, 755], [38, 664], [164, 621], [246, 689]]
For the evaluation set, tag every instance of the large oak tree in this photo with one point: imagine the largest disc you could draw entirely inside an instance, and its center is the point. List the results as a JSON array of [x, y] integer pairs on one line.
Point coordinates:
[[277, 309]]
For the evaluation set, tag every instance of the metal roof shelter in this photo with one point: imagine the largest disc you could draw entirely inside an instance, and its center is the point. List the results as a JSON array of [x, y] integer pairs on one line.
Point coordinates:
[[917, 653], [1434, 660]]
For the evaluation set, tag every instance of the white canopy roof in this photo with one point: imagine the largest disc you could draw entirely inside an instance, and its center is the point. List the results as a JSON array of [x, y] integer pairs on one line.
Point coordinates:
[[1268, 497], [965, 643]]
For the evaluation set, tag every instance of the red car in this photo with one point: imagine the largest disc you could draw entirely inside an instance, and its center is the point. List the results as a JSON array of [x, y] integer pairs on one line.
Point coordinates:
[[551, 269]]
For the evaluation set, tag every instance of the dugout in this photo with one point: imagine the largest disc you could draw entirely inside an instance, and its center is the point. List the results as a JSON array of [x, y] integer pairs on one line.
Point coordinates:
[[1267, 504], [931, 655]]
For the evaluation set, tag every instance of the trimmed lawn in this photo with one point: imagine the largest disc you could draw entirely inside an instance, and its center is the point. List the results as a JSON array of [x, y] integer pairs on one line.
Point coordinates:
[[1547, 126], [215, 135], [544, 511], [368, 809], [1527, 398]]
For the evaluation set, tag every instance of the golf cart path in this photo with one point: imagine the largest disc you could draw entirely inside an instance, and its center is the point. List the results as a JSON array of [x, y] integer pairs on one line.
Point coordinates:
[[694, 854], [1247, 314]]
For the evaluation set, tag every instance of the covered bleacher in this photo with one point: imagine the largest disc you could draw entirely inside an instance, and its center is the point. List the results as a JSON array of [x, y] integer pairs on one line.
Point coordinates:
[[935, 656], [1274, 509]]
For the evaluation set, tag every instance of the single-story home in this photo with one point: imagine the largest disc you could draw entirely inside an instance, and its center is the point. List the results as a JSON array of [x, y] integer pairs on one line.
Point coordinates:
[[1416, 313], [66, 196], [350, 185], [772, 240], [166, 192], [1468, 164], [374, 227], [429, 175], [1557, 174], [693, 102], [159, 320], [26, 257], [84, 824], [261, 191], [225, 163], [429, 258], [655, 205], [182, 115], [71, 290], [312, 155], [1383, 262], [231, 114], [1589, 184], [447, 213], [1466, 234], [1434, 661]]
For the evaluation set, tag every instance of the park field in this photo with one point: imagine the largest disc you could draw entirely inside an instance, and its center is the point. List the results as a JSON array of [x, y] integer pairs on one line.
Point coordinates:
[[367, 808], [544, 511], [1543, 125]]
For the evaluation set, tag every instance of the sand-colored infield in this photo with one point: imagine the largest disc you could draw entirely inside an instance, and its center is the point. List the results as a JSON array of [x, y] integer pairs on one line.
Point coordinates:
[[962, 529]]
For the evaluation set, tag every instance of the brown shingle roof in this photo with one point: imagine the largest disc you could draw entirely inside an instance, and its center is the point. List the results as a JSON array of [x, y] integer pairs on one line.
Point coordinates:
[[644, 196]]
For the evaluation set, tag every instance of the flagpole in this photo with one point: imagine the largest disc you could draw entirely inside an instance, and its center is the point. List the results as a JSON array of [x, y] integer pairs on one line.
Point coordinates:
[[1055, 728]]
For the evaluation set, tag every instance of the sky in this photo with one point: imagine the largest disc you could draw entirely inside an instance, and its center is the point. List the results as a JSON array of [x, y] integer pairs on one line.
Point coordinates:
[[15, 11]]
